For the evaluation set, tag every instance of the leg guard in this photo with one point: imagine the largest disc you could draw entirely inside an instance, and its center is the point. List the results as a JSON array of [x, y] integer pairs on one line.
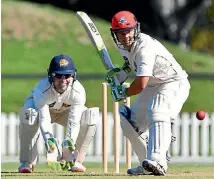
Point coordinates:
[[159, 129], [28, 135], [87, 131], [130, 130]]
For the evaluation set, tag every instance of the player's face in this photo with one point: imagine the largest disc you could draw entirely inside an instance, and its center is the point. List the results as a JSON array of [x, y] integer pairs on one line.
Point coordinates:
[[61, 82], [126, 38]]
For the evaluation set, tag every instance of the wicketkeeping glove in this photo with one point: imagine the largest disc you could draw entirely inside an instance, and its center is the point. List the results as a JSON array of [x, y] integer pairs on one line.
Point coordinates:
[[53, 152], [69, 144], [51, 144]]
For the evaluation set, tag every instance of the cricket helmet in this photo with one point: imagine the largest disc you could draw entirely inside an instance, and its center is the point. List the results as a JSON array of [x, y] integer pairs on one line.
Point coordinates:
[[124, 21], [61, 64]]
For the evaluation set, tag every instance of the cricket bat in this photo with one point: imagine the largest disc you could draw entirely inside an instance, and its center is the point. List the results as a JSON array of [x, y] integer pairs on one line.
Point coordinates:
[[96, 39], [98, 43]]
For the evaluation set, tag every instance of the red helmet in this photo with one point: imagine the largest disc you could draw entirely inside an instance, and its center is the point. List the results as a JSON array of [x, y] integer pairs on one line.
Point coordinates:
[[123, 20]]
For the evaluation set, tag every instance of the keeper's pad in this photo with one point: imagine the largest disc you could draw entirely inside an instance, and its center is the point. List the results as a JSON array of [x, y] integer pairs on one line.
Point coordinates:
[[28, 135], [159, 129], [87, 131], [28, 116], [137, 138]]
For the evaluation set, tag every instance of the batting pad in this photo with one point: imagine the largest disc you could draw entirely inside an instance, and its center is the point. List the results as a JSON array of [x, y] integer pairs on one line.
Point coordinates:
[[28, 136], [87, 131], [159, 129], [28, 116], [138, 142], [159, 141]]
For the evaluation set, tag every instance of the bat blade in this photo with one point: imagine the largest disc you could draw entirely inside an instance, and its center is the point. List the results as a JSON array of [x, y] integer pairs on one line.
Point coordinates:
[[96, 39]]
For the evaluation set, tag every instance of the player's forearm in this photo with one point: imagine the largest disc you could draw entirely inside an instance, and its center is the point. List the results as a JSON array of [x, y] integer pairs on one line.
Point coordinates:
[[73, 124], [138, 85], [72, 130], [45, 123], [46, 129], [133, 89]]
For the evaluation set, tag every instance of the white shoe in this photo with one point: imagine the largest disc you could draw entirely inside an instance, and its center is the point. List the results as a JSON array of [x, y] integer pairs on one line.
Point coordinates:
[[78, 167], [138, 171], [26, 167], [154, 167]]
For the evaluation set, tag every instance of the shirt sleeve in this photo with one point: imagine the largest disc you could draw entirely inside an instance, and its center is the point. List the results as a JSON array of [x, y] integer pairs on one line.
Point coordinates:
[[44, 114], [75, 114], [145, 60]]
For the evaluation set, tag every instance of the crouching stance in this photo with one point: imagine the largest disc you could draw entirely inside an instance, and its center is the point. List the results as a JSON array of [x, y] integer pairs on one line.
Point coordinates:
[[59, 98], [161, 86]]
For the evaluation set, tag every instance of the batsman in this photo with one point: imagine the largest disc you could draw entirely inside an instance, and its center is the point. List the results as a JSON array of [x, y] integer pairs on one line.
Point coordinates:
[[161, 86], [59, 98]]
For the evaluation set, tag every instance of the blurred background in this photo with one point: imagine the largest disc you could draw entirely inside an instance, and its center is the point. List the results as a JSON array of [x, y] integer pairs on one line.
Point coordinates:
[[34, 31]]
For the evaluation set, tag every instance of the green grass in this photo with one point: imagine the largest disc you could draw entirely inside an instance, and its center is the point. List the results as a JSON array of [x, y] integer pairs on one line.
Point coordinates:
[[200, 96], [33, 33], [94, 96], [47, 31], [193, 171]]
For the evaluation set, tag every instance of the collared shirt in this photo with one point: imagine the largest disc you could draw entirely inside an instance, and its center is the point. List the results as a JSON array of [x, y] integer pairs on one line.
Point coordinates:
[[148, 57]]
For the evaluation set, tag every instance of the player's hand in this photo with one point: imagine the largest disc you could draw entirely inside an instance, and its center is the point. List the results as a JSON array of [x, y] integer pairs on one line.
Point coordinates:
[[68, 154], [118, 93], [51, 144], [111, 74], [53, 154], [121, 73], [69, 143], [66, 165], [114, 71]]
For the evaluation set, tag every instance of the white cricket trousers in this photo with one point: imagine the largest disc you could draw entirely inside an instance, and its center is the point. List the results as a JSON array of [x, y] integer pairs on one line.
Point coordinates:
[[29, 134], [154, 109]]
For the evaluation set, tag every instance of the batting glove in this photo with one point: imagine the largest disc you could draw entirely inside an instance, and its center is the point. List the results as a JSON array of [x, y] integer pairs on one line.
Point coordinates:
[[119, 93], [118, 72]]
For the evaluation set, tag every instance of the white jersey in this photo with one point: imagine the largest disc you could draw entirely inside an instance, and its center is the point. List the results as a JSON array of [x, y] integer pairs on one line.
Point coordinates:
[[47, 100], [148, 57], [46, 96]]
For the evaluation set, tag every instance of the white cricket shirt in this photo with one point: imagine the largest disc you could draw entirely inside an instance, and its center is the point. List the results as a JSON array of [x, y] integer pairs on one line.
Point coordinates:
[[148, 57]]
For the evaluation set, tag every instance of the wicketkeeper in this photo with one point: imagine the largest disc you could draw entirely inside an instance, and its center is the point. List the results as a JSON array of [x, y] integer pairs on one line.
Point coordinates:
[[59, 98], [161, 86]]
